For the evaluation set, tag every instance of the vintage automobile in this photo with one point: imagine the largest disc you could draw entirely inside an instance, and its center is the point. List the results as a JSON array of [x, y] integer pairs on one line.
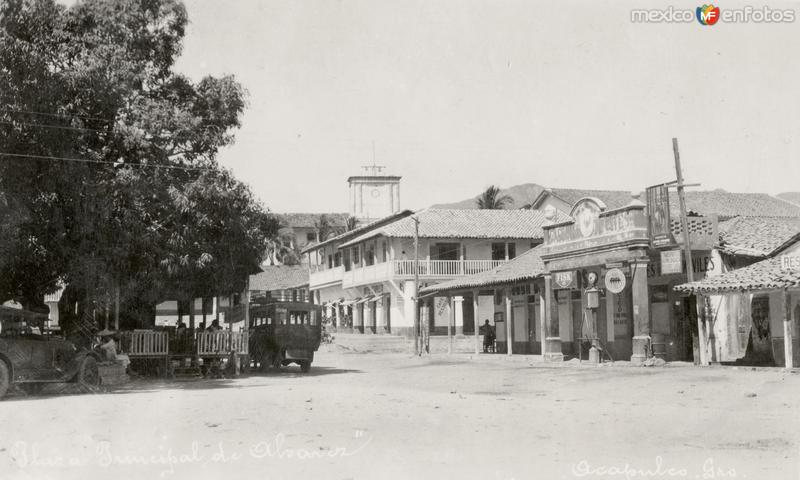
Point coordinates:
[[282, 333], [31, 356]]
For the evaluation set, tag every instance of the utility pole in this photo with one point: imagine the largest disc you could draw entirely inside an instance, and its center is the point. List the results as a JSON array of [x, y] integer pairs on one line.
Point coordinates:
[[416, 285], [687, 248]]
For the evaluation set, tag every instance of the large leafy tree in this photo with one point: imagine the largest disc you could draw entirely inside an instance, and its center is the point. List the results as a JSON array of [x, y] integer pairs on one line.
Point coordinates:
[[491, 199], [108, 172]]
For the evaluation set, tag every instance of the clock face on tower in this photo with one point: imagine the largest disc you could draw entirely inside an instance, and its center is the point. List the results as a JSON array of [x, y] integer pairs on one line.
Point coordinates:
[[375, 193]]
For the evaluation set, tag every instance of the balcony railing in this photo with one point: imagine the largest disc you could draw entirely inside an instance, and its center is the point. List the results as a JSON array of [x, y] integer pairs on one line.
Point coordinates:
[[402, 269]]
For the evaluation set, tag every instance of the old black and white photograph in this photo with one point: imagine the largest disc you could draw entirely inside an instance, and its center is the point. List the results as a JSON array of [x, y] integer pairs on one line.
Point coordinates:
[[385, 239]]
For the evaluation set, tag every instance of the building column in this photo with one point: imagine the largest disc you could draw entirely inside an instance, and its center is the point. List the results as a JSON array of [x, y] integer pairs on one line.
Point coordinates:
[[641, 311], [509, 321], [552, 336], [458, 307], [380, 312], [409, 293], [368, 326], [358, 318], [476, 321], [337, 309], [359, 199]]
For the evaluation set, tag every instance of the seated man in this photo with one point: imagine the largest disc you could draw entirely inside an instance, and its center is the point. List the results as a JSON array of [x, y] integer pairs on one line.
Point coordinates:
[[107, 347]]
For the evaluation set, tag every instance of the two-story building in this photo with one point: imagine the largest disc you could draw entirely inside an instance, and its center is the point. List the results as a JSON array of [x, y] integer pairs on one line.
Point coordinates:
[[370, 276]]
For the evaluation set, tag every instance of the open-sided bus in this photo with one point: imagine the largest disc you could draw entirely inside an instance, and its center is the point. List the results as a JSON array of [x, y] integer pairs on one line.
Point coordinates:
[[285, 332]]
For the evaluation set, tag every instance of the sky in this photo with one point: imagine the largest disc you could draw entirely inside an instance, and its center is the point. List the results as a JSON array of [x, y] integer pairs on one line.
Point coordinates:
[[459, 95]]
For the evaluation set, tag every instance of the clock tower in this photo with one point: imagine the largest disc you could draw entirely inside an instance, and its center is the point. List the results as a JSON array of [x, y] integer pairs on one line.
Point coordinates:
[[373, 194]]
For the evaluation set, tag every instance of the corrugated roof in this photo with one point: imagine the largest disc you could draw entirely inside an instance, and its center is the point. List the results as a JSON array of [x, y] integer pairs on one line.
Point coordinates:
[[435, 223], [764, 275], [728, 204], [527, 266], [309, 220], [757, 236], [279, 277]]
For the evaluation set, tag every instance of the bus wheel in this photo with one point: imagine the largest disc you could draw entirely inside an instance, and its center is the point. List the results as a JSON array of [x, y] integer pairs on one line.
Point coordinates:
[[305, 366]]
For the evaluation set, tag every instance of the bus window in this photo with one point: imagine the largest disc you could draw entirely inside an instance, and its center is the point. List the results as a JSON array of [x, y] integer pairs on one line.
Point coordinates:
[[313, 317]]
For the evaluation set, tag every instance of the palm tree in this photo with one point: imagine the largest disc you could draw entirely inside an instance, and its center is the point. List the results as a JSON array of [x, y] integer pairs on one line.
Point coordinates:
[[491, 199], [324, 228], [350, 224]]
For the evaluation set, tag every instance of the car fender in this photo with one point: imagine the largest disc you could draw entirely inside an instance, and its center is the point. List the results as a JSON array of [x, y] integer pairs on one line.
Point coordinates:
[[9, 365]]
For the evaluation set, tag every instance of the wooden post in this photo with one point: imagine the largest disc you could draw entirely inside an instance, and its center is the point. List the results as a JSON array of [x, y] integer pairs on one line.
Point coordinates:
[[543, 326], [116, 307], [509, 330], [787, 331], [450, 321], [687, 248], [416, 285], [476, 320]]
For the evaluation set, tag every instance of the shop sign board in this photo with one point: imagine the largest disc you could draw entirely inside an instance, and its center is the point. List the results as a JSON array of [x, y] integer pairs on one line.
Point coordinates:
[[565, 279], [671, 262]]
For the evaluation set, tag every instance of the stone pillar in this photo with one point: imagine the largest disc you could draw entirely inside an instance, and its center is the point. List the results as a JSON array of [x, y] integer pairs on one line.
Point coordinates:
[[641, 311], [458, 305], [552, 336], [396, 197], [337, 312], [358, 318]]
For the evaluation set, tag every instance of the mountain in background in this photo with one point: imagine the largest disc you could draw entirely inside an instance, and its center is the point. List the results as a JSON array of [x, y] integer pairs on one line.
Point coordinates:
[[793, 197], [522, 195]]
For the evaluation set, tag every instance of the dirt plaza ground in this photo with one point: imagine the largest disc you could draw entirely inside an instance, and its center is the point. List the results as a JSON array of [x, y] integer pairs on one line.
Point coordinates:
[[368, 413]]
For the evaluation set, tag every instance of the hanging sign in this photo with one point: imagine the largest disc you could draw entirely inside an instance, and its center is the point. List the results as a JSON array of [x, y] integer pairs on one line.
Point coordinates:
[[615, 281], [671, 262], [658, 221]]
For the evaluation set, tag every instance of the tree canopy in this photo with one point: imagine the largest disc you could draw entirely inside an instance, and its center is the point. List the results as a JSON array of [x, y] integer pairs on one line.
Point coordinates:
[[108, 170]]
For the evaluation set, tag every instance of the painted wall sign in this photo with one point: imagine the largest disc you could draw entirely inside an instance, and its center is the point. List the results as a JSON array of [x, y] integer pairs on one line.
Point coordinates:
[[701, 264], [586, 213], [615, 280], [790, 262], [671, 262], [565, 279]]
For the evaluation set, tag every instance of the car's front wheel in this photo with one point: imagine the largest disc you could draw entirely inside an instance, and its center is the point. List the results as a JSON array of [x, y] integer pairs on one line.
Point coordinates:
[[5, 378], [88, 375], [305, 366]]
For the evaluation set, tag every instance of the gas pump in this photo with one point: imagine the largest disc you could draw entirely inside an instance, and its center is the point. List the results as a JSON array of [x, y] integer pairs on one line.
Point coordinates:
[[592, 304]]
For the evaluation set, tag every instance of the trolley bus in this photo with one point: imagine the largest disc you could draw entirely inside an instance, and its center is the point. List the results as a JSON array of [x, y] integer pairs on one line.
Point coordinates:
[[282, 333]]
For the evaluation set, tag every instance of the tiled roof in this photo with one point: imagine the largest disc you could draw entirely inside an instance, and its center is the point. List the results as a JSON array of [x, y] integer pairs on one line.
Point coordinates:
[[728, 205], [279, 277], [435, 223], [612, 198], [527, 266], [309, 220], [360, 230], [764, 275], [793, 197], [757, 236]]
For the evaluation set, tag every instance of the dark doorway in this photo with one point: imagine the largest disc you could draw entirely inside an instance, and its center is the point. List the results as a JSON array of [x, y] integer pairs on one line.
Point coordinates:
[[468, 311], [445, 251]]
